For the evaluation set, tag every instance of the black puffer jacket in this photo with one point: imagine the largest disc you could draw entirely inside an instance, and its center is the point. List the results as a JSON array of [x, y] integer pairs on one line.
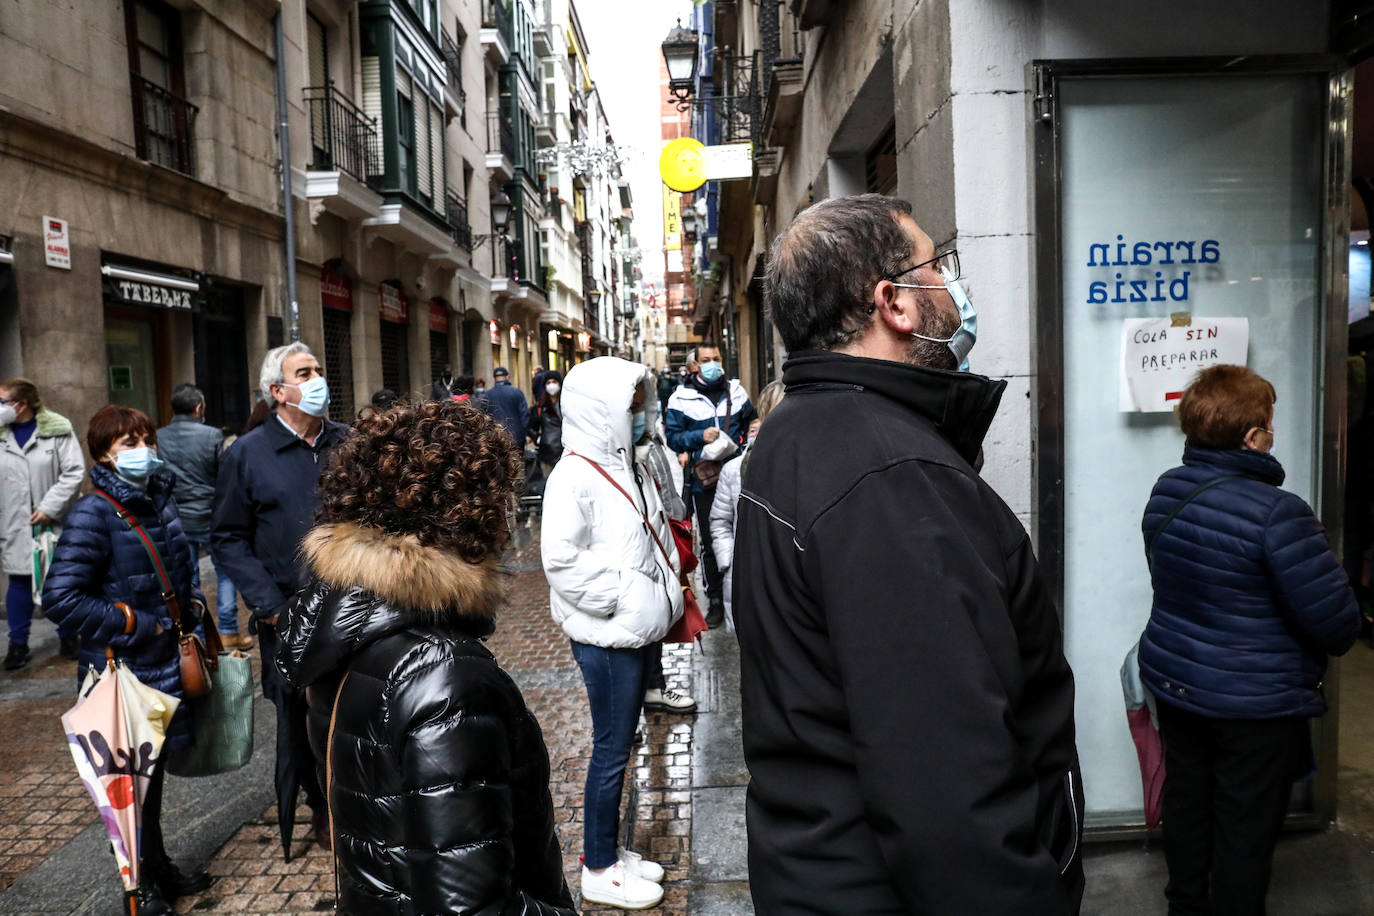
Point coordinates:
[[437, 774]]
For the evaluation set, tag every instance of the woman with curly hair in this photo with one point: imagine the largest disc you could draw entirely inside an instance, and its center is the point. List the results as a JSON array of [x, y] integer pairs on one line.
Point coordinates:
[[436, 772]]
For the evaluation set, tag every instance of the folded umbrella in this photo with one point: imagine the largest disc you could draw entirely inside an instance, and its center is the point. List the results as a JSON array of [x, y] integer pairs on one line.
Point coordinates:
[[115, 733]]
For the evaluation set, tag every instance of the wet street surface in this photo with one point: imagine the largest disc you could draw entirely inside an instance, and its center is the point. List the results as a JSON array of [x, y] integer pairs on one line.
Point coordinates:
[[54, 858]]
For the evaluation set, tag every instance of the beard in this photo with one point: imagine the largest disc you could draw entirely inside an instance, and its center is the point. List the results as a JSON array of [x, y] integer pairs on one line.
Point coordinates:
[[935, 322]]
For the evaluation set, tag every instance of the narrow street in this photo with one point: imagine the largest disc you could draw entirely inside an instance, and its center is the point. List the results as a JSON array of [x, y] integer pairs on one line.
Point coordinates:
[[686, 781]]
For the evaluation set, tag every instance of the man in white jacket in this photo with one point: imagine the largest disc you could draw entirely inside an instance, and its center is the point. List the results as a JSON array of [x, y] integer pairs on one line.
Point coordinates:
[[613, 587]]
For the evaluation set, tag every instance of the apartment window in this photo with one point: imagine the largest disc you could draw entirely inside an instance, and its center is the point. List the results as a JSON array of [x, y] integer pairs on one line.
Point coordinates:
[[880, 163], [317, 50], [162, 117], [405, 129]]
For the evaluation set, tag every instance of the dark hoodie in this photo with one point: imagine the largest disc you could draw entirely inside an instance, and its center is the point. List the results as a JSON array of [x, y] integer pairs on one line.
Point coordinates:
[[908, 710], [437, 773]]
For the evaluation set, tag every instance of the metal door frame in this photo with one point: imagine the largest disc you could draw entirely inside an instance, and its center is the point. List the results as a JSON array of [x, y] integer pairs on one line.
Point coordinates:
[[1047, 382]]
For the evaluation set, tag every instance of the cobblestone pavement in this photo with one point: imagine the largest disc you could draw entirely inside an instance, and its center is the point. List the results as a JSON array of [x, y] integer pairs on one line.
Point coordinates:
[[252, 878]]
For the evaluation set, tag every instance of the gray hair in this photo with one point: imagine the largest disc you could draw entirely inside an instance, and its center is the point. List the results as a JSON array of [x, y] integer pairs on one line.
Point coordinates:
[[271, 372], [822, 269]]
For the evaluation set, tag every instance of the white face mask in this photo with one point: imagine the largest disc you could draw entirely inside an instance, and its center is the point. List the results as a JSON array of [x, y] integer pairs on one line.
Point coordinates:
[[553, 388], [7, 414]]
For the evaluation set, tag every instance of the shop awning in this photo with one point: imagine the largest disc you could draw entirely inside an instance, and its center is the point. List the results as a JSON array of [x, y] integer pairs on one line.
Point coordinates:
[[124, 285]]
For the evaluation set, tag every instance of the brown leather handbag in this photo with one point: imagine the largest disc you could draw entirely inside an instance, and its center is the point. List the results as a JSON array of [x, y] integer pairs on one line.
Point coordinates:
[[198, 661], [707, 471]]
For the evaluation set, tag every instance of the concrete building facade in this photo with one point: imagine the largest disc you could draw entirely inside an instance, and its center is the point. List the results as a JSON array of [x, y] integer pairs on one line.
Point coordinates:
[[144, 241], [974, 113]]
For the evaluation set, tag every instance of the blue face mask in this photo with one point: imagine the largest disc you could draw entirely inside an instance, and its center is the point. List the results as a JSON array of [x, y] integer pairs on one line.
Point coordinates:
[[712, 371], [314, 395], [137, 463], [638, 426], [962, 340]]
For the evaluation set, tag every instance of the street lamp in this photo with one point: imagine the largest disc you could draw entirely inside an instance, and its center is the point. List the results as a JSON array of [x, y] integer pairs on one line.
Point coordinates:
[[500, 219], [594, 297], [689, 225], [680, 53]]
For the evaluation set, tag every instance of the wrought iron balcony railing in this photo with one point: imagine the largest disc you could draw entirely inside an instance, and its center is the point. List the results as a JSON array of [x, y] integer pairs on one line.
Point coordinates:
[[453, 63], [457, 213], [500, 135], [342, 136], [163, 126]]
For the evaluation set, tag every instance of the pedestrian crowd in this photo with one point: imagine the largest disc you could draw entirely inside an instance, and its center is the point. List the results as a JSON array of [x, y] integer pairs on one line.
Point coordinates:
[[908, 709]]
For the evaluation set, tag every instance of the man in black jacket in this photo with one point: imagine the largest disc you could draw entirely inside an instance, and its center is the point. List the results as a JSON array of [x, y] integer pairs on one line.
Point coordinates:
[[265, 502], [908, 710]]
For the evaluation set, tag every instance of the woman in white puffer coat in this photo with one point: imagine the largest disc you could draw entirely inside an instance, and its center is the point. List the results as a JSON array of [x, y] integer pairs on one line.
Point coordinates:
[[613, 587]]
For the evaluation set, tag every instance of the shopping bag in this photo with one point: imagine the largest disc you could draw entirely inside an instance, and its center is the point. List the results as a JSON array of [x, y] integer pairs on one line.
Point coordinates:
[[44, 543], [1144, 726], [221, 721]]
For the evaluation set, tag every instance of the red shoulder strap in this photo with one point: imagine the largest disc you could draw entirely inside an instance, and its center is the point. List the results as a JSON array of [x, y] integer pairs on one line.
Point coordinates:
[[611, 480]]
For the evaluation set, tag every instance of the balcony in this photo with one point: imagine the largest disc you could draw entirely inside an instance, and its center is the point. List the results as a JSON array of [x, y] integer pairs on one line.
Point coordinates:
[[456, 209], [500, 146], [811, 13], [345, 156], [455, 99], [782, 110], [163, 127], [496, 31], [545, 135]]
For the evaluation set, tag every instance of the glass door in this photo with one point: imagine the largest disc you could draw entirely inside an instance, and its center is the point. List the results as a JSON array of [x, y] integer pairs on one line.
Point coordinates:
[[1187, 208], [131, 364]]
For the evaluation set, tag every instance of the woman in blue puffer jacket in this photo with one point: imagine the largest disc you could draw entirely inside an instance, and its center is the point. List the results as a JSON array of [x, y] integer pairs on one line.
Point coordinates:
[[102, 586], [1249, 601]]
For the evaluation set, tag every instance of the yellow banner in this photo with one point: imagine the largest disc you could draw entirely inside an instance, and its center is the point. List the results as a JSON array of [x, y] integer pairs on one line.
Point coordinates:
[[672, 219]]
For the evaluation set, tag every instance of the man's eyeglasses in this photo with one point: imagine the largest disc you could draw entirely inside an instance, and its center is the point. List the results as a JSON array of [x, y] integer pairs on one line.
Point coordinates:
[[946, 262]]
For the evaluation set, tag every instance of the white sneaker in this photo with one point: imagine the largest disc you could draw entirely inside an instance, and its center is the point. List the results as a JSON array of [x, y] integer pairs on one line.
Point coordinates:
[[616, 886], [669, 701], [639, 866]]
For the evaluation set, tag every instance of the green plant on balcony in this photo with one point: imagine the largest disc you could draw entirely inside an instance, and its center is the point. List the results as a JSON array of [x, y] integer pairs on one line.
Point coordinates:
[[549, 273]]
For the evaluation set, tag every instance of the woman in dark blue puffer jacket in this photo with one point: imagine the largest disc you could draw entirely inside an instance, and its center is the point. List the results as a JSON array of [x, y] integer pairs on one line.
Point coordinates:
[[99, 569], [1249, 601]]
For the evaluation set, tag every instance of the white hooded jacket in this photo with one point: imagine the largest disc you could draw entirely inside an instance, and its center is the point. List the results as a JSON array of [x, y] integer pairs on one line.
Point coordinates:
[[609, 584]]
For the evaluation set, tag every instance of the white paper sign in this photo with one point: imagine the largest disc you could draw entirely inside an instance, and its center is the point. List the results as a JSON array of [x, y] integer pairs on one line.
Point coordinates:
[[1158, 360], [57, 246], [729, 160]]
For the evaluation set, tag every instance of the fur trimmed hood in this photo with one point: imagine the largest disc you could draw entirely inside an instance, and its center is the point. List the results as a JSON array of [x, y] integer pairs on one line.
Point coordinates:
[[401, 571]]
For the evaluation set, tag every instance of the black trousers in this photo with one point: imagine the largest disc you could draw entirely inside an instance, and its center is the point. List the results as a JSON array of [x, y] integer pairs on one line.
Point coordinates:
[[151, 848], [1226, 792], [653, 667], [715, 582]]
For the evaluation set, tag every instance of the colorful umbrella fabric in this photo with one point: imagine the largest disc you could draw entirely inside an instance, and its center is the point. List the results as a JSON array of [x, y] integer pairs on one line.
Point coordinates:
[[115, 732]]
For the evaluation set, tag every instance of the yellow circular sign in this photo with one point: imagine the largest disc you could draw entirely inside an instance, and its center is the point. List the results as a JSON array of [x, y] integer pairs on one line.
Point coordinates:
[[683, 164]]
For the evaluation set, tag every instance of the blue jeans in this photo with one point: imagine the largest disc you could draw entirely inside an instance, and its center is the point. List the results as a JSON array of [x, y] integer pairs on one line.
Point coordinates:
[[226, 599], [615, 689]]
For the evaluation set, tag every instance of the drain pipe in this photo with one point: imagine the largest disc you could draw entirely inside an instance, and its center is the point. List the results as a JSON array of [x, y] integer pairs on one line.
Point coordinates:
[[284, 137]]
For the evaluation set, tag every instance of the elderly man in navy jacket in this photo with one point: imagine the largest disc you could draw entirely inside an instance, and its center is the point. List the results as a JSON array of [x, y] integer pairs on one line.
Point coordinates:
[[265, 501]]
